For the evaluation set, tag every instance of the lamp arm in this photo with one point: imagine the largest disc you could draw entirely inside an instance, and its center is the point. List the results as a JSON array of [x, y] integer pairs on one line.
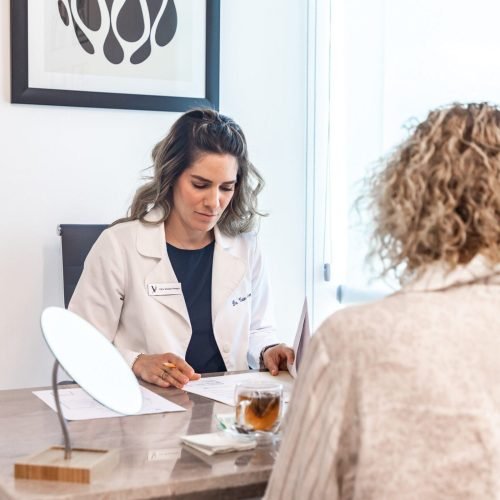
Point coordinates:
[[62, 421]]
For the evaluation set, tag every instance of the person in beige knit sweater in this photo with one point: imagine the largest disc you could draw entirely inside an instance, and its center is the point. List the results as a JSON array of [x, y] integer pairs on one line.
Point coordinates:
[[400, 398]]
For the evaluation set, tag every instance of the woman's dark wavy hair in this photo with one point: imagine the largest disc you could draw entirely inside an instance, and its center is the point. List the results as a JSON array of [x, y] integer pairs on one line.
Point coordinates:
[[195, 133]]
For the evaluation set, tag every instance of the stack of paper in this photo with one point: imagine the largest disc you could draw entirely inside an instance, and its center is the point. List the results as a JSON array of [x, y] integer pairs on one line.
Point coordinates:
[[218, 442]]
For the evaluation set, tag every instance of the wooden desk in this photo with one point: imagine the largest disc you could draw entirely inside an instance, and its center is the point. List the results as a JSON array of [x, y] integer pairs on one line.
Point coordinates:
[[153, 463]]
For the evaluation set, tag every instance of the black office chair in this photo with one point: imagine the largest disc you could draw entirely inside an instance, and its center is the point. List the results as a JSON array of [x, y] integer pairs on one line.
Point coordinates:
[[76, 240]]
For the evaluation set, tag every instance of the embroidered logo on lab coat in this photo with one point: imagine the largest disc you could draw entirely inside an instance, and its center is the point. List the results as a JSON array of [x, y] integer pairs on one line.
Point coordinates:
[[239, 300]]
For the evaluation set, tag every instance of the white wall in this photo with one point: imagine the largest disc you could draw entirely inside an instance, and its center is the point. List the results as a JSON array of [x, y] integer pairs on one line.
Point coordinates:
[[82, 165], [436, 53]]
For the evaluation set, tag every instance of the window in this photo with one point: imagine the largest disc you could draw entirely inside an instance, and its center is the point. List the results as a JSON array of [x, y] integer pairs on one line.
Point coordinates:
[[378, 66]]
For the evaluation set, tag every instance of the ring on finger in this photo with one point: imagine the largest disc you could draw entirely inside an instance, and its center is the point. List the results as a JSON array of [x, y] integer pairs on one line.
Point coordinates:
[[163, 375]]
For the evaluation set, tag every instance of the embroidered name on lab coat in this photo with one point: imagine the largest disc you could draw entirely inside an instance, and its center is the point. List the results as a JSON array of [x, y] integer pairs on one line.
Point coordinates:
[[239, 300], [155, 289]]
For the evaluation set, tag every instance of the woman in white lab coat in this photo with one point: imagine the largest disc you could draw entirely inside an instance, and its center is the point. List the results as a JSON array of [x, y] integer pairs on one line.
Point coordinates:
[[179, 285]]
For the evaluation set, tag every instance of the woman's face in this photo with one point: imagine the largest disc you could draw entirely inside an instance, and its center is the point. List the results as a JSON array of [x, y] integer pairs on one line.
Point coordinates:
[[203, 191]]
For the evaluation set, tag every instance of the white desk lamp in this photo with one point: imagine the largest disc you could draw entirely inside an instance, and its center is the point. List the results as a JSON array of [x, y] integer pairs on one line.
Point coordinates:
[[95, 364]]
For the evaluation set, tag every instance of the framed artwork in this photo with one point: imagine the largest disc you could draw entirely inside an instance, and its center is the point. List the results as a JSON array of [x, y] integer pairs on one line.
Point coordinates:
[[126, 54]]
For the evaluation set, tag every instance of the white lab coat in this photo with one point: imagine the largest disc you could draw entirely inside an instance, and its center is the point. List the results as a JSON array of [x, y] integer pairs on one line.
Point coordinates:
[[114, 296]]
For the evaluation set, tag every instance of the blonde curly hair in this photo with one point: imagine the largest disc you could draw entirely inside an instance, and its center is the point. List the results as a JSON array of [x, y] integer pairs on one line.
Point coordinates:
[[437, 196]]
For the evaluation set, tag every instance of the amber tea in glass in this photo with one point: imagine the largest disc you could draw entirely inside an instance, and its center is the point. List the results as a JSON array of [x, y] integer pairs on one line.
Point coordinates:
[[258, 407]]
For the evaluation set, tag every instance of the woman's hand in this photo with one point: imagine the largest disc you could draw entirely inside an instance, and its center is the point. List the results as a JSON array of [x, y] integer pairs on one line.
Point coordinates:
[[278, 358], [153, 368]]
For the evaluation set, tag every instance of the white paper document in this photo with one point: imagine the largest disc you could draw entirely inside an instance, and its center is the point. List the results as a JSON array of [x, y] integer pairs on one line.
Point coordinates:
[[302, 338], [221, 388], [76, 404]]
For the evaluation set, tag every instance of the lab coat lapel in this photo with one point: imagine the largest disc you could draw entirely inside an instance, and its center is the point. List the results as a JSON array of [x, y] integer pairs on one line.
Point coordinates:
[[228, 271], [151, 243]]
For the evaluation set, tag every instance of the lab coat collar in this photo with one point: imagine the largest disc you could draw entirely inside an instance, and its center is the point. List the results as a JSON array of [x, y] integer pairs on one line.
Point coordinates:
[[221, 239], [439, 277], [151, 243], [228, 269], [151, 237]]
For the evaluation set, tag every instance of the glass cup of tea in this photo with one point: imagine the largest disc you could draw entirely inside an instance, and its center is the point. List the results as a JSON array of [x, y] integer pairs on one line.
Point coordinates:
[[259, 407]]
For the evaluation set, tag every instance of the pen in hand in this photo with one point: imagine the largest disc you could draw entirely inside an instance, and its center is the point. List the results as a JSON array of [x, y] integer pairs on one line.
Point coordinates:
[[167, 366]]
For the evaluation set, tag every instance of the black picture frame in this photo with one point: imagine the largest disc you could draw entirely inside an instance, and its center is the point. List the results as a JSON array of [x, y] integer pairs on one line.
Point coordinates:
[[22, 93]]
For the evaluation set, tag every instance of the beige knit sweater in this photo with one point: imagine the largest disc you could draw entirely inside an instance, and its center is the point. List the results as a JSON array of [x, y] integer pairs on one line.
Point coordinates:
[[400, 399]]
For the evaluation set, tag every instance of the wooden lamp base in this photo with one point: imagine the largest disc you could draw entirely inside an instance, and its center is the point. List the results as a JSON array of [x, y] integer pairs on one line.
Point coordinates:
[[51, 465]]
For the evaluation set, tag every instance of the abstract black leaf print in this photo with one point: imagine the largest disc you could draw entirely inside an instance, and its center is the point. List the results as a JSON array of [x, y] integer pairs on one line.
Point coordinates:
[[89, 13], [130, 22], [167, 25], [154, 7], [112, 49], [123, 29], [85, 43], [63, 12], [144, 51]]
